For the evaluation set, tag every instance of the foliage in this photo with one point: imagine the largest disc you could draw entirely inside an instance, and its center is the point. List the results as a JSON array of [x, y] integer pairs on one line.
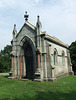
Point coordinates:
[[62, 89], [72, 49], [5, 60]]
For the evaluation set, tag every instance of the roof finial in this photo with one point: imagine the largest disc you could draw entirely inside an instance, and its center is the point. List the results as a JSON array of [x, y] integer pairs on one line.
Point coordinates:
[[38, 21], [15, 31], [14, 26], [26, 16], [38, 18]]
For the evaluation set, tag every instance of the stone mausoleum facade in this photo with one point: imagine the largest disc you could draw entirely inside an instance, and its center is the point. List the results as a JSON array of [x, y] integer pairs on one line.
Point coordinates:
[[37, 55]]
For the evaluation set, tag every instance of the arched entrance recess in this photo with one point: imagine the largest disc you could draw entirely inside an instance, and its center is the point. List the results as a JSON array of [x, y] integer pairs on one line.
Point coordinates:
[[30, 57]]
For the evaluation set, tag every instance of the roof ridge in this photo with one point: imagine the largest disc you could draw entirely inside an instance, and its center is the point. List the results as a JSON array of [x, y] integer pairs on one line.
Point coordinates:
[[30, 24], [56, 40]]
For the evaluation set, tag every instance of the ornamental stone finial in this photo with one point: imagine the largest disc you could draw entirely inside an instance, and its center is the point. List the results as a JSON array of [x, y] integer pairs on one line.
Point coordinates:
[[14, 30], [38, 24], [38, 18], [14, 26], [26, 16]]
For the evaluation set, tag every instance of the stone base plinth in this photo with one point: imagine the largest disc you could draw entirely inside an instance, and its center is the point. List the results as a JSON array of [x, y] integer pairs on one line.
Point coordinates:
[[11, 77], [49, 79], [71, 73], [38, 80]]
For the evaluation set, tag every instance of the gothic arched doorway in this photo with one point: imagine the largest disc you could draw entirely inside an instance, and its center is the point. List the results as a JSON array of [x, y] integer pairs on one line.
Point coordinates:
[[29, 60]]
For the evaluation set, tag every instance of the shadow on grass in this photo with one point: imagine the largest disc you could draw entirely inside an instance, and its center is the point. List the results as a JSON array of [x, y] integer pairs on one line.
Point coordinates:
[[44, 94], [56, 96], [47, 96], [6, 76]]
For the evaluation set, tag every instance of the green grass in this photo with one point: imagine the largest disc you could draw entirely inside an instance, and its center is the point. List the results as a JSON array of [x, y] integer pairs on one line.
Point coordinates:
[[62, 89]]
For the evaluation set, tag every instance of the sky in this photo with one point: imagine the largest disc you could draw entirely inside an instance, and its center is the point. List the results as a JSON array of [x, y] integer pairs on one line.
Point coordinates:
[[58, 18]]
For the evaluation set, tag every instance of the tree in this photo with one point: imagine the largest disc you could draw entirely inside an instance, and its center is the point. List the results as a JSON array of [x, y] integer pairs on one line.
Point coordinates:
[[5, 60], [72, 49]]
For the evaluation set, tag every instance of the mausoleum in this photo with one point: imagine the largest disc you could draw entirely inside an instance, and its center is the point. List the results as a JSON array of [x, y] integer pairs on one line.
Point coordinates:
[[37, 55]]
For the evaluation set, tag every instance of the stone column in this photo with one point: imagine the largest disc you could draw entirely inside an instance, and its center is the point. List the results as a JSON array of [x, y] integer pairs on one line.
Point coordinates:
[[38, 71], [38, 60], [23, 64], [12, 62], [69, 64], [20, 64], [53, 73], [11, 73], [45, 67]]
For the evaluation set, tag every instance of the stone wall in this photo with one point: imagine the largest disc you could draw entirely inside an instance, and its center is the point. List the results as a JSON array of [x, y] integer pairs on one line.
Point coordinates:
[[4, 74]]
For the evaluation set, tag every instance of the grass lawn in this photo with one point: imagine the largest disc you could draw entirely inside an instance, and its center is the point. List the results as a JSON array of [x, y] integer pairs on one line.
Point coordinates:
[[62, 89]]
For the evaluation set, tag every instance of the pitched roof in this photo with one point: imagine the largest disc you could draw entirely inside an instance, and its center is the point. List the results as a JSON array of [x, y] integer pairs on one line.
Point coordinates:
[[55, 40]]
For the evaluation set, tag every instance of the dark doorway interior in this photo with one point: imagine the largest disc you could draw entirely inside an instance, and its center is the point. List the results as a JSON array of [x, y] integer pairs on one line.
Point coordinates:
[[28, 53]]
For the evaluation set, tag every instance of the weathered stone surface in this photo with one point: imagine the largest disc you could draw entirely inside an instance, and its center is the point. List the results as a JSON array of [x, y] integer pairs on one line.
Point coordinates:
[[38, 56], [4, 74]]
